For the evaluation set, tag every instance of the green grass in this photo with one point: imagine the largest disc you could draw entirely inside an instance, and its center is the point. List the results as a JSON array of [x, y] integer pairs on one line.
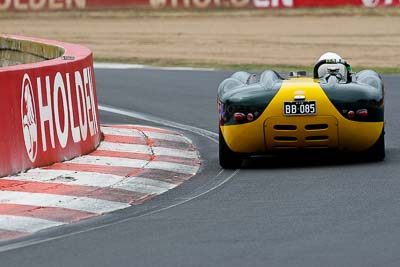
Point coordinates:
[[245, 67]]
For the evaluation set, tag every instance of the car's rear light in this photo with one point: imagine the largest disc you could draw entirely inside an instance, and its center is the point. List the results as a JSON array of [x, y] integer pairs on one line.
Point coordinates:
[[351, 114], [250, 117], [359, 115], [363, 113], [239, 117], [231, 114]]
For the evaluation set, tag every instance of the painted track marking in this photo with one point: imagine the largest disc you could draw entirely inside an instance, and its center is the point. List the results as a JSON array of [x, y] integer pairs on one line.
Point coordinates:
[[60, 201], [113, 177], [136, 184], [18, 223], [218, 180]]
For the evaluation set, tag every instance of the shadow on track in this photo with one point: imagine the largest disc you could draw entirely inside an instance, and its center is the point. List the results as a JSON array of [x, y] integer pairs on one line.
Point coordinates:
[[298, 161]]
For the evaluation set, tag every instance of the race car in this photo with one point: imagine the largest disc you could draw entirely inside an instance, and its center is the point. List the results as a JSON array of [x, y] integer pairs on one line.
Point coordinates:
[[334, 111]]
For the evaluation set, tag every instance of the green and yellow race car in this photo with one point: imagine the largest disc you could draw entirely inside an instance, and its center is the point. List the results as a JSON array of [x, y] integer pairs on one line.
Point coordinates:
[[333, 111]]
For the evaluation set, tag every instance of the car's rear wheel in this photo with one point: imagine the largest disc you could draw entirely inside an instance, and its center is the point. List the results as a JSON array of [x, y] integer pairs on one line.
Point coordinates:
[[227, 158], [377, 151]]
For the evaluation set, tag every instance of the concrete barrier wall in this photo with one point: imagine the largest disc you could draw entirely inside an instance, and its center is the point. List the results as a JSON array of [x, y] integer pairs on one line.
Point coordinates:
[[16, 52], [34, 5], [48, 108]]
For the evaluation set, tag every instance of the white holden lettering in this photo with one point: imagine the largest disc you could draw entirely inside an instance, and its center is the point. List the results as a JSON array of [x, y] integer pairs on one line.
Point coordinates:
[[4, 5], [95, 125], [198, 3], [54, 4], [223, 3], [76, 134], [23, 5], [46, 113], [36, 4], [202, 3], [20, 6], [61, 114], [59, 87], [272, 3], [87, 99], [80, 96]]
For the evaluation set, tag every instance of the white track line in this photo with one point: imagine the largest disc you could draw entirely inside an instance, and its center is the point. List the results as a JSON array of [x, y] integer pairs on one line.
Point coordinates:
[[172, 167], [120, 66], [146, 117], [25, 224], [144, 185], [135, 163], [118, 147], [157, 151], [86, 204], [67, 177], [163, 151], [117, 66], [121, 132], [80, 178], [164, 136], [110, 161]]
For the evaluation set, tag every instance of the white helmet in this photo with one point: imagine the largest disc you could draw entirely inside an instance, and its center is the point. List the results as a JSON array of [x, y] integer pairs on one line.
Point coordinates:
[[329, 55], [323, 69]]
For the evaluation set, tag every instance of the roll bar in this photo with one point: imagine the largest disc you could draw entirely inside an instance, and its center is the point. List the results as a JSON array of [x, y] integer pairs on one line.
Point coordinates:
[[332, 61]]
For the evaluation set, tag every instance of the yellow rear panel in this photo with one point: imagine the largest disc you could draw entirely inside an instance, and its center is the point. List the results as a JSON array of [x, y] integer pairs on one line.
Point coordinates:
[[292, 133], [328, 129]]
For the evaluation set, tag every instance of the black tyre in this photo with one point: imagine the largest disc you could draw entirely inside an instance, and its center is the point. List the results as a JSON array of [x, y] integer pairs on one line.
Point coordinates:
[[227, 158], [377, 151]]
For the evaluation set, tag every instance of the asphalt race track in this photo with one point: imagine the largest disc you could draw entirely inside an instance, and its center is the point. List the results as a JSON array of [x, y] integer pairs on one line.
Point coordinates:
[[284, 214]]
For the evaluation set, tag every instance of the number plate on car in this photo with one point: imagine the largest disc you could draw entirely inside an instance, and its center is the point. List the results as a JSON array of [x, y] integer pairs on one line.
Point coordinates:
[[300, 108]]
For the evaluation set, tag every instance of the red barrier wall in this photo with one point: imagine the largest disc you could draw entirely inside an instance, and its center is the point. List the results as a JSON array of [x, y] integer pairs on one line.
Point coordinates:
[[48, 109], [33, 5], [262, 4]]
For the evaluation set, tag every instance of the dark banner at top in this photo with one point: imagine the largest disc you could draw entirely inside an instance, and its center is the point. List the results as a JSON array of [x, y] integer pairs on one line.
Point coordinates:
[[37, 5]]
